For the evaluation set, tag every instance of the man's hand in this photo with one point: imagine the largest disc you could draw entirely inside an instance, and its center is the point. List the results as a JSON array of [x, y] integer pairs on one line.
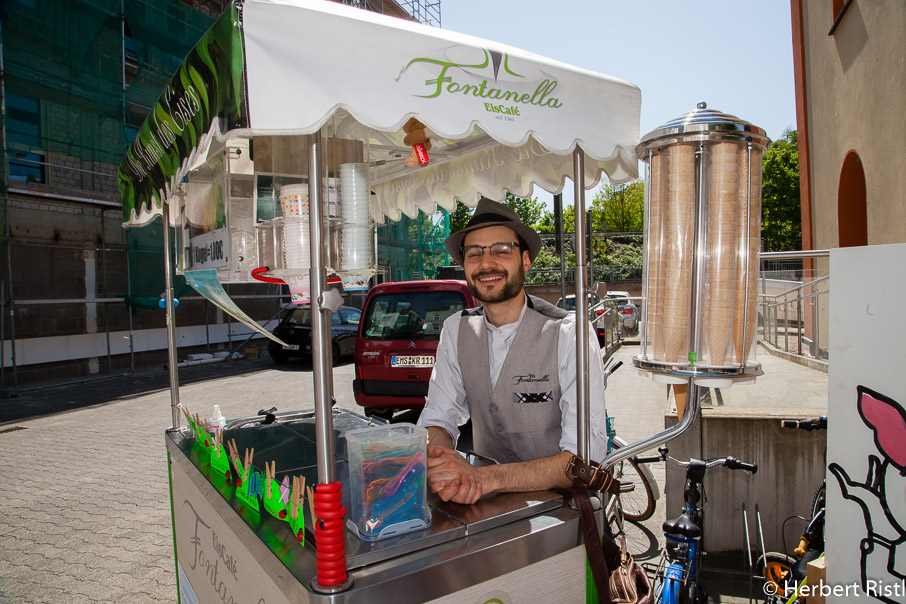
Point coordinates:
[[452, 477]]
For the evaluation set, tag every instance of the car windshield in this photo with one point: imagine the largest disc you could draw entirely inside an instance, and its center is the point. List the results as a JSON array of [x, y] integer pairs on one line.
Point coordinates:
[[298, 316], [410, 315]]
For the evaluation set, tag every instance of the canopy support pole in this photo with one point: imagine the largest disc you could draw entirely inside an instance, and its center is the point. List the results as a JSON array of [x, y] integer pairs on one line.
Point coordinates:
[[171, 315], [322, 373], [582, 394]]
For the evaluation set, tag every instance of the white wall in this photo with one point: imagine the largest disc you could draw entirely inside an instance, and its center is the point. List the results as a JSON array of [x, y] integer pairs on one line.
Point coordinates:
[[32, 351], [867, 349]]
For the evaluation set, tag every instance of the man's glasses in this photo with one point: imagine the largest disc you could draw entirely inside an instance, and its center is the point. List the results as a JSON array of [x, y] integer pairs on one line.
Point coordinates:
[[499, 251]]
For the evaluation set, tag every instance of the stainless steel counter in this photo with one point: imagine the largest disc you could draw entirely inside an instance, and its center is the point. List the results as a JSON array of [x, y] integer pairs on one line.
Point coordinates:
[[465, 546]]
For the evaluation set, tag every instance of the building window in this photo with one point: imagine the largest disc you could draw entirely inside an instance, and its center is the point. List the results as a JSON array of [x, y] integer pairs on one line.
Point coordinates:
[[26, 158], [852, 213]]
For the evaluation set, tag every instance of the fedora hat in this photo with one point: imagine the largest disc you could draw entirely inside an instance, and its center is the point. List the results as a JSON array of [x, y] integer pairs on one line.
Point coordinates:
[[491, 213]]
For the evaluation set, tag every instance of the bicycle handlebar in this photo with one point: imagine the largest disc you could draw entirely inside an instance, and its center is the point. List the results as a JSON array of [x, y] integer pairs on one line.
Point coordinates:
[[735, 464], [730, 462], [819, 423]]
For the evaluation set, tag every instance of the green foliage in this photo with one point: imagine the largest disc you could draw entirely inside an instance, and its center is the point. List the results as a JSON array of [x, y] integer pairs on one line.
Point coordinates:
[[547, 224], [530, 211], [459, 217], [619, 207], [781, 209]]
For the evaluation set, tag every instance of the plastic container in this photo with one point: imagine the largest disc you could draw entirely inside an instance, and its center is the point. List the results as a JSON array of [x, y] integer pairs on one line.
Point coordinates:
[[387, 480], [217, 420]]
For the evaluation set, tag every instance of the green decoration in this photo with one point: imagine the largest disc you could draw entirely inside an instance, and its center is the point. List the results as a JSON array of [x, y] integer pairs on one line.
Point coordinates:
[[247, 486], [209, 86], [274, 504], [297, 523], [220, 461]]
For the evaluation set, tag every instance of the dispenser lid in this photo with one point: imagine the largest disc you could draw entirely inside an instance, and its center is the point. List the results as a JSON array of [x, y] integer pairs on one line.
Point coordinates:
[[702, 124]]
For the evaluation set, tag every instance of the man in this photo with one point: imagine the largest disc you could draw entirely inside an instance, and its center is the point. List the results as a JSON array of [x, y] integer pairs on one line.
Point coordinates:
[[510, 366]]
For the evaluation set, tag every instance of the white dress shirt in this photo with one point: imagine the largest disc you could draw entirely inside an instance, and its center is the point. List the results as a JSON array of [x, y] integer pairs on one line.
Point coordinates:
[[446, 405]]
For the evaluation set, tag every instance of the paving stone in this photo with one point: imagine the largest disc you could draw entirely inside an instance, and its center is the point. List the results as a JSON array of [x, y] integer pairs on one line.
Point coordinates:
[[109, 539]]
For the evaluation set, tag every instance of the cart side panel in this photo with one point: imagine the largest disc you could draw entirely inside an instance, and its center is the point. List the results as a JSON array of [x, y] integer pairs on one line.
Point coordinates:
[[219, 558]]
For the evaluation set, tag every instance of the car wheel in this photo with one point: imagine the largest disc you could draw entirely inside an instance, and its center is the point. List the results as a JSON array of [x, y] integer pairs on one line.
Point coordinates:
[[278, 356], [335, 353]]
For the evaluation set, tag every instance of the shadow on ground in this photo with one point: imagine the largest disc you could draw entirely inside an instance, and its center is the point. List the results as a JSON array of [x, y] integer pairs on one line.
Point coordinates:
[[35, 401]]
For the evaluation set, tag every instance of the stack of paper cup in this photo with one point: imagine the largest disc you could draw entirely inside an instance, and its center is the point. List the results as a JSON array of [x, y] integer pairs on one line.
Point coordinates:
[[294, 200], [355, 210]]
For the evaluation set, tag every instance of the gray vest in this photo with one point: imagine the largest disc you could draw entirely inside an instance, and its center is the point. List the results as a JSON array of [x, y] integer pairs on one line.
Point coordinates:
[[520, 419]]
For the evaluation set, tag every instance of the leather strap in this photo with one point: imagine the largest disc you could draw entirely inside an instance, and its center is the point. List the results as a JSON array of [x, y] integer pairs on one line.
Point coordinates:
[[599, 551], [591, 474]]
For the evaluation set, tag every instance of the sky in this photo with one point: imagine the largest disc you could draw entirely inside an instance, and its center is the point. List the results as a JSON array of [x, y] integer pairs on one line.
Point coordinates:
[[736, 55]]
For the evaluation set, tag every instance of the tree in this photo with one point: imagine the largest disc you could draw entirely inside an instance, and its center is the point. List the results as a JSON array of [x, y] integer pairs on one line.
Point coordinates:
[[530, 211], [546, 225], [781, 209], [619, 207], [459, 217]]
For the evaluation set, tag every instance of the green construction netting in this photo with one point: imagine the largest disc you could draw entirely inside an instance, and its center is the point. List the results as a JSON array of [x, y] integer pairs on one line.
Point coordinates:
[[145, 247], [94, 85], [413, 248], [65, 67]]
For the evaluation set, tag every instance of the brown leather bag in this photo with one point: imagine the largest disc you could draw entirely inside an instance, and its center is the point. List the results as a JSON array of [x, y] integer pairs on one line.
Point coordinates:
[[628, 582]]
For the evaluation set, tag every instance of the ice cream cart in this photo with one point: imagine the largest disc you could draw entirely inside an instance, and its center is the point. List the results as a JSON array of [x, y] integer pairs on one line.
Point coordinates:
[[289, 129]]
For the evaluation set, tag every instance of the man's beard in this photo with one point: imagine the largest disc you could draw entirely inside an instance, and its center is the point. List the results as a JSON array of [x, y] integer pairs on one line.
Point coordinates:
[[512, 285]]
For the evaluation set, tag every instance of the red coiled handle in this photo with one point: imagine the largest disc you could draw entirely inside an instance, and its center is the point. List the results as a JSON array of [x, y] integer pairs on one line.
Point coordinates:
[[330, 534]]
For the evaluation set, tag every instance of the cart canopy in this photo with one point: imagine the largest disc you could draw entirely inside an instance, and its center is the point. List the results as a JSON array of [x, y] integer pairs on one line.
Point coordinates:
[[499, 118]]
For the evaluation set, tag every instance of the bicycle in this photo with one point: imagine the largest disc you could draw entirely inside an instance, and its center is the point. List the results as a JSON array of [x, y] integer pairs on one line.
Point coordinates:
[[676, 574], [786, 574], [638, 488]]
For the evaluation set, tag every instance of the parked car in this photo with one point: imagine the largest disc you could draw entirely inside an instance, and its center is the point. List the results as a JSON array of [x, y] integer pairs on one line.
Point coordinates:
[[603, 315], [629, 312], [295, 329], [397, 341]]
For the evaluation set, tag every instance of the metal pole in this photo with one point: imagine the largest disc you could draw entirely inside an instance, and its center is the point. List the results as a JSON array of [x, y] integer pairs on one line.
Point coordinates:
[[129, 312], [650, 231], [584, 435], [591, 249], [697, 266], [6, 230], [320, 323], [171, 317], [558, 217], [2, 333]]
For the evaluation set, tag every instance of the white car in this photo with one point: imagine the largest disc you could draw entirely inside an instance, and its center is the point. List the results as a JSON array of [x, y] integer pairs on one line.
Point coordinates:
[[629, 312]]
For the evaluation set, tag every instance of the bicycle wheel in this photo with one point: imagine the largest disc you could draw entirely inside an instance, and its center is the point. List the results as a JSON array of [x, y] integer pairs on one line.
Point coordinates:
[[773, 566], [638, 504]]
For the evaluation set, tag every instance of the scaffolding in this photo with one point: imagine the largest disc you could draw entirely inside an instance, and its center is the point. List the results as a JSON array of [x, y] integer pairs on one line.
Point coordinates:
[[78, 80]]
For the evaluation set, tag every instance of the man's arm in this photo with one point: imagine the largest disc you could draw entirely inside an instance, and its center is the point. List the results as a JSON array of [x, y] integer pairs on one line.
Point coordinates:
[[438, 437], [453, 479]]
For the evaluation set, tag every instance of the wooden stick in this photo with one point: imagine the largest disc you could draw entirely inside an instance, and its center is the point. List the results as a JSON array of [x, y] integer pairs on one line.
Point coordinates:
[[294, 499], [311, 503]]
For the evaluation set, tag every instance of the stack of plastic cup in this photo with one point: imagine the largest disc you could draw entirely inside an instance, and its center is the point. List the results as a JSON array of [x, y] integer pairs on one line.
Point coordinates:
[[355, 210], [294, 203]]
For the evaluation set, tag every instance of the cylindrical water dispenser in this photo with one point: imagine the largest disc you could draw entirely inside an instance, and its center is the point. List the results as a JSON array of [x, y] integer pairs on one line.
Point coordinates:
[[702, 234]]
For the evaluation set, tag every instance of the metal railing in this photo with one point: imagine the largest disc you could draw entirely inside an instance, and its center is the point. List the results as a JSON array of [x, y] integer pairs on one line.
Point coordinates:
[[793, 315], [606, 273]]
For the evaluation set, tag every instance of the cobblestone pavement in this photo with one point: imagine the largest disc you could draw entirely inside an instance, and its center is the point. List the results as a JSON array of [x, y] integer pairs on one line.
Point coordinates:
[[86, 514]]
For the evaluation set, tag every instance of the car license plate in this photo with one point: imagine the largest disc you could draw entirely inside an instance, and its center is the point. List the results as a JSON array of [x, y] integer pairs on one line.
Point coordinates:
[[291, 347], [412, 361]]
